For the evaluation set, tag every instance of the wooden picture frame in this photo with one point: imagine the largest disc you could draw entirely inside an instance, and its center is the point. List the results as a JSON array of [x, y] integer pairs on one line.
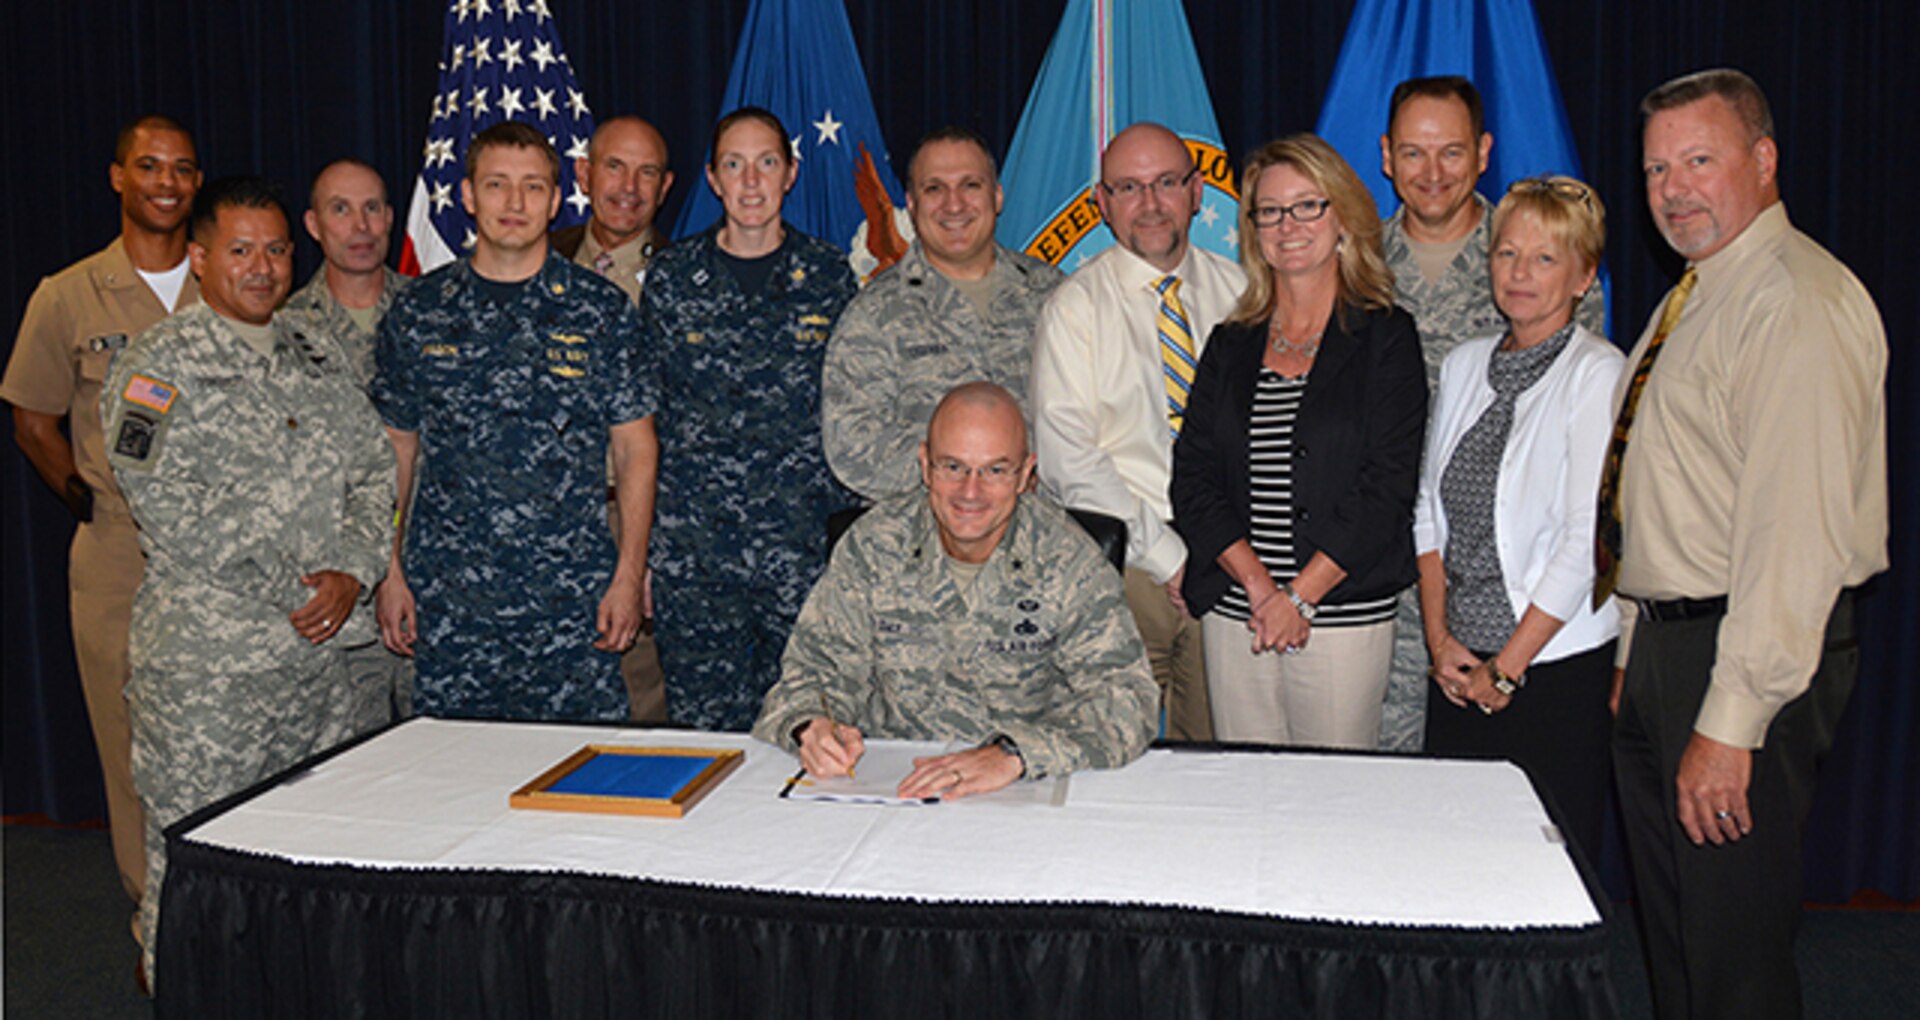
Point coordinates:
[[617, 779]]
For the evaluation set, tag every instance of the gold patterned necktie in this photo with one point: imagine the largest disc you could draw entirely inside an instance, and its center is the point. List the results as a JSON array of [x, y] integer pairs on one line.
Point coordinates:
[[1177, 358], [1607, 537]]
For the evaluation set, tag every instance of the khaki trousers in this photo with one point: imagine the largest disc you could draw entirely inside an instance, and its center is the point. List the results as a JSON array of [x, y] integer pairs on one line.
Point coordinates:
[[1327, 695], [646, 682], [1174, 650], [104, 568]]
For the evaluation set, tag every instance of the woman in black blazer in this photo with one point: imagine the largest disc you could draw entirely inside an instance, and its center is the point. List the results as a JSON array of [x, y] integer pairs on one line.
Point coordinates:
[[1295, 473]]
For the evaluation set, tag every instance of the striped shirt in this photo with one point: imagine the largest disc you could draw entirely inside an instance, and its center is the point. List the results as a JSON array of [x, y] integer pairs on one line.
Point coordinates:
[[1276, 405]]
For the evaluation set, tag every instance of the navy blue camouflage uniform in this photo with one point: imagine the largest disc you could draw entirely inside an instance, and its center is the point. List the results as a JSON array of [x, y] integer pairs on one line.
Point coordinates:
[[512, 391], [739, 533]]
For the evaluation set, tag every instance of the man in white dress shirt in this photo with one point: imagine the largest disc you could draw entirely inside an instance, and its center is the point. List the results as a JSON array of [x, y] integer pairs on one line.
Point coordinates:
[[1108, 389]]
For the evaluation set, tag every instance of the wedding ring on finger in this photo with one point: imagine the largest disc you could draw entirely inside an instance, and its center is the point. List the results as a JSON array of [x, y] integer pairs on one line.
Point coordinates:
[[1723, 815]]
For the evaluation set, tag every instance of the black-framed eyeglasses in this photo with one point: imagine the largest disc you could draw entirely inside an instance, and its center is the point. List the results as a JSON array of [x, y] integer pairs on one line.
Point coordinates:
[[1165, 184], [1304, 211], [1560, 187]]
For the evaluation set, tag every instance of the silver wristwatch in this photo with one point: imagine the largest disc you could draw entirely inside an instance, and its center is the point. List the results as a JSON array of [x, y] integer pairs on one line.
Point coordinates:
[[1307, 610]]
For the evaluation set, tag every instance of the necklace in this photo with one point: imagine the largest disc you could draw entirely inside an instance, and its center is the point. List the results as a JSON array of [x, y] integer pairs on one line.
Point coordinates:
[[1279, 343]]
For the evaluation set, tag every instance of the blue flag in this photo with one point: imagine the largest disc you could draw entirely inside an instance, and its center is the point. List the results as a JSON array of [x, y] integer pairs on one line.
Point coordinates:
[[1495, 44], [496, 64], [797, 59], [1112, 63]]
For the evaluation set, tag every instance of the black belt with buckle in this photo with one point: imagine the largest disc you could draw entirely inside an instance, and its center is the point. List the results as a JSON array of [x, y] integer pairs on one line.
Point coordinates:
[[1675, 610]]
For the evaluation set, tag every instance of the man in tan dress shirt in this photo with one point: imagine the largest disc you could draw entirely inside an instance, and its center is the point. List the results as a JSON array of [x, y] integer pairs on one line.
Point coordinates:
[[74, 323], [1753, 498], [625, 178]]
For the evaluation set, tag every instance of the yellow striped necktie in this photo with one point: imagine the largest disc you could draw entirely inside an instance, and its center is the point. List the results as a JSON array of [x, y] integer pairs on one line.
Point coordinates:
[[1607, 536], [1177, 356]]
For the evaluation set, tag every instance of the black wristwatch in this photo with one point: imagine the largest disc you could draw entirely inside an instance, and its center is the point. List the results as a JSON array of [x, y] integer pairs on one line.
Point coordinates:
[[1005, 743], [1503, 683]]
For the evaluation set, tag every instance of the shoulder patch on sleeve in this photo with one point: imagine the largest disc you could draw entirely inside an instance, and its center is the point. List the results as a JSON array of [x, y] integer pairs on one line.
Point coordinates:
[[149, 392], [134, 440]]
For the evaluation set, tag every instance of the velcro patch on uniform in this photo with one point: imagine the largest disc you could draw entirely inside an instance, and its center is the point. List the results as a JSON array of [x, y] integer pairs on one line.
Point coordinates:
[[148, 392], [134, 441]]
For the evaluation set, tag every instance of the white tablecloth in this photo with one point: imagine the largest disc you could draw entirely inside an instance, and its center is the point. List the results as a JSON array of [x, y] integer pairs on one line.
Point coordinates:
[[1371, 840]]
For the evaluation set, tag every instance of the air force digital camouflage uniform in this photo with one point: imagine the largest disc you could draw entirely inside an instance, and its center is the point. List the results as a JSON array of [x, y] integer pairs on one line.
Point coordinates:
[[1040, 647], [383, 681], [329, 316], [1448, 312], [245, 473], [512, 389], [907, 339], [740, 520]]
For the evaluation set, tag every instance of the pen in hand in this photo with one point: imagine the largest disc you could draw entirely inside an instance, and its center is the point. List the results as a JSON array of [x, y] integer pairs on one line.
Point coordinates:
[[833, 725]]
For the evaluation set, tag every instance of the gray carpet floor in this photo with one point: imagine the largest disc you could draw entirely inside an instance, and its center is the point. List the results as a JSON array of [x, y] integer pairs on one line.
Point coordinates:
[[68, 951]]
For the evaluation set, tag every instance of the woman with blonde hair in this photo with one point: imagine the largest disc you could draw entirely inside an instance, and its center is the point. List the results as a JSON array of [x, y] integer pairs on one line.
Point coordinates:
[[1295, 471], [1504, 523]]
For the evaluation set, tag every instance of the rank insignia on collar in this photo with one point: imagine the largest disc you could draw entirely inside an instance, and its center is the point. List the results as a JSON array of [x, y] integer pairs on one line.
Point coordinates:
[[700, 278], [559, 289], [797, 275]]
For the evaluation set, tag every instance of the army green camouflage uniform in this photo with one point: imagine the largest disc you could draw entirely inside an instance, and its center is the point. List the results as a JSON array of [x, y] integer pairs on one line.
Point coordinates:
[[383, 681], [1457, 308], [1041, 647], [329, 316], [245, 472], [903, 342]]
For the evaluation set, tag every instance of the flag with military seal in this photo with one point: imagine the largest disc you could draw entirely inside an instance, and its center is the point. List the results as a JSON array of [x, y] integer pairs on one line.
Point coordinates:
[[1112, 63]]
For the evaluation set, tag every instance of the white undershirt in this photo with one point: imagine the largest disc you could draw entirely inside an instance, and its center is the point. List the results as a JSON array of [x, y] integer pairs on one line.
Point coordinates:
[[166, 284]]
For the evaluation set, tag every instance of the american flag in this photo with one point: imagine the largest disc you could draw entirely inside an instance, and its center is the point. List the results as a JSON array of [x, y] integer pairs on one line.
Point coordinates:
[[501, 61]]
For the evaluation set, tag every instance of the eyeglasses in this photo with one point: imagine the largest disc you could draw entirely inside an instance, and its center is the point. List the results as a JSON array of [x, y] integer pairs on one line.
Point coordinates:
[[1560, 187], [1000, 473], [1165, 184], [1304, 211]]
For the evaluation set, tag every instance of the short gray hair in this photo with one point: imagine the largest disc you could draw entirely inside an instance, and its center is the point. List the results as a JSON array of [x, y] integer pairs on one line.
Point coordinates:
[[1741, 92]]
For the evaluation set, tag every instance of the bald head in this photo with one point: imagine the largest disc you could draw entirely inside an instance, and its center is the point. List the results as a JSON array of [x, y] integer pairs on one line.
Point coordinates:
[[981, 405], [1143, 140], [349, 216], [1148, 193], [625, 176], [975, 464]]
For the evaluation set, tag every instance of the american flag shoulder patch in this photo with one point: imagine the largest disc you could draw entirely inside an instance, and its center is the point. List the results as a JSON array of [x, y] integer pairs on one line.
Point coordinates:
[[150, 392]]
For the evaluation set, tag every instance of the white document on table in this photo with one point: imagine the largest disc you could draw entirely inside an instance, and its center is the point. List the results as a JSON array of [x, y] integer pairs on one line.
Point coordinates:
[[877, 775]]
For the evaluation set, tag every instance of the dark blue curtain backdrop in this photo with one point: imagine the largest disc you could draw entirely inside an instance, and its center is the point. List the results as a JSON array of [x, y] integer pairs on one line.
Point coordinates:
[[280, 86]]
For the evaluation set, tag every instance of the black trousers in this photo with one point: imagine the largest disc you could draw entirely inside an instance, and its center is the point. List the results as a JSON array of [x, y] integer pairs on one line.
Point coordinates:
[[1555, 728], [1718, 921]]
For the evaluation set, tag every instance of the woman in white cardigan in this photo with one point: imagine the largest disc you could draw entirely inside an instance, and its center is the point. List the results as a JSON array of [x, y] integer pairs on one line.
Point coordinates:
[[1503, 527]]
